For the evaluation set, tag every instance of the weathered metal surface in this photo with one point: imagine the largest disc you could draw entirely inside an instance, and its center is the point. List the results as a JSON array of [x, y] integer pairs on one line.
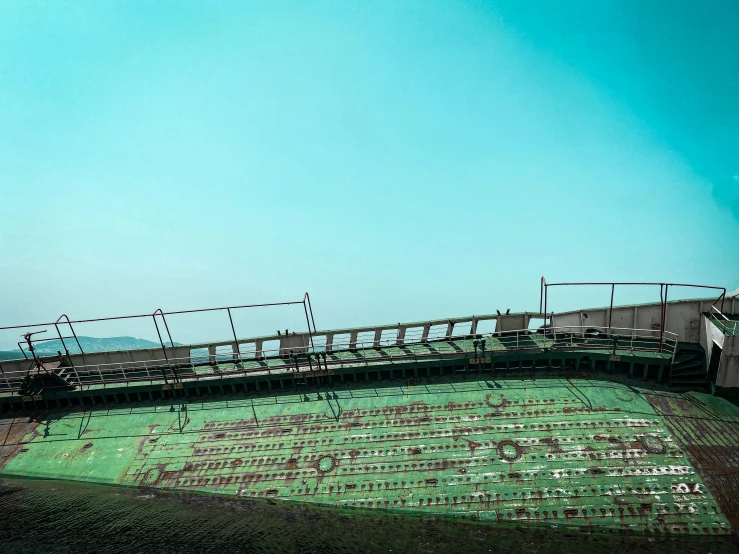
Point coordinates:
[[14, 433], [708, 429], [552, 451]]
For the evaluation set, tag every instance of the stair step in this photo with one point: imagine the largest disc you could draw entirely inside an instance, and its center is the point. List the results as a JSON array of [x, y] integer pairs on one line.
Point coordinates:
[[688, 380], [692, 388], [68, 375], [688, 371], [686, 360], [691, 367]]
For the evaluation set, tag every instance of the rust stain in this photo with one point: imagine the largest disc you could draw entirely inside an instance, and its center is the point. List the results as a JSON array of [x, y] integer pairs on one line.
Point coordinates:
[[12, 434]]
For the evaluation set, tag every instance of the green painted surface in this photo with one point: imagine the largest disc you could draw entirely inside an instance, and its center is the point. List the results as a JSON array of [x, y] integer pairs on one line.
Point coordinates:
[[553, 451], [729, 327]]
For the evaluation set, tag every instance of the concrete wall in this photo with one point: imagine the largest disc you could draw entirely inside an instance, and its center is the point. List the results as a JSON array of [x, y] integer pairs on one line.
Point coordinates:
[[728, 369], [682, 317]]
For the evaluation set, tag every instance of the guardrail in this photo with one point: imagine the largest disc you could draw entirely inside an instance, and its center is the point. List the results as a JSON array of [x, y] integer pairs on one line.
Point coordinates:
[[413, 342], [728, 326]]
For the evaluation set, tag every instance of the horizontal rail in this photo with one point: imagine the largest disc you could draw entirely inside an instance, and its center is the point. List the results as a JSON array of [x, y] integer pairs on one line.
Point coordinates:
[[719, 313], [115, 318]]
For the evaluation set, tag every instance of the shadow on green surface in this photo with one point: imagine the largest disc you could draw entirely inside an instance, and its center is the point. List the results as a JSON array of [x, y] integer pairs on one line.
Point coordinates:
[[64, 518]]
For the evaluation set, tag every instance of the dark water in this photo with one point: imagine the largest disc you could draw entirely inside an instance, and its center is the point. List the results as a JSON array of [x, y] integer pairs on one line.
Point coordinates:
[[71, 518]]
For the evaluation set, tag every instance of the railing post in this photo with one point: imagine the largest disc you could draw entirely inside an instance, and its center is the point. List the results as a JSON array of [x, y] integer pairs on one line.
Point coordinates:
[[7, 381], [237, 352], [306, 306], [425, 334], [610, 310], [546, 290], [164, 350], [401, 335], [71, 328], [663, 322]]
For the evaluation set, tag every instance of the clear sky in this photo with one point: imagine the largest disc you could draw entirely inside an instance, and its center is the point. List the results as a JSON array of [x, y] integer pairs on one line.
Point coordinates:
[[399, 160]]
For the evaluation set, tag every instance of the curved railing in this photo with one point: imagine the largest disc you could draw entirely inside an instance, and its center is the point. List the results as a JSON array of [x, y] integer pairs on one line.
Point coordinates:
[[412, 345]]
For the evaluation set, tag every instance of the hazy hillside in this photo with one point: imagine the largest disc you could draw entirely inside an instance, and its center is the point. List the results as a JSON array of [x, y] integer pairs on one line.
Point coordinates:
[[89, 344]]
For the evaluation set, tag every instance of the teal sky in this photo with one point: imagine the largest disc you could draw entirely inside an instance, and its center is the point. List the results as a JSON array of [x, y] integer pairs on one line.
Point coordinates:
[[398, 160]]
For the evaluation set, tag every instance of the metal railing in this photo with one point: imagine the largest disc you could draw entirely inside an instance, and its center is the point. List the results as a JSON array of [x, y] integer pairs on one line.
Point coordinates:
[[420, 343], [663, 291], [727, 326]]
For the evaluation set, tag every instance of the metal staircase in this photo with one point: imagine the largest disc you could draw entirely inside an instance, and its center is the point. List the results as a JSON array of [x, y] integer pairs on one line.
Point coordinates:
[[689, 368]]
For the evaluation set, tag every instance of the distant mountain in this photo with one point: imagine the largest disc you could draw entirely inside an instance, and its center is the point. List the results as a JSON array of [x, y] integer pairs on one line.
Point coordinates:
[[89, 344]]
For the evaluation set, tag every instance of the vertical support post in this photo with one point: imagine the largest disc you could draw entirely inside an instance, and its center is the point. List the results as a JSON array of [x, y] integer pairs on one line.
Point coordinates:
[[661, 315], [425, 334], [164, 350], [7, 381], [71, 328], [546, 287], [664, 321], [61, 338], [401, 335], [610, 310], [233, 330], [166, 327], [306, 305], [171, 343], [541, 293]]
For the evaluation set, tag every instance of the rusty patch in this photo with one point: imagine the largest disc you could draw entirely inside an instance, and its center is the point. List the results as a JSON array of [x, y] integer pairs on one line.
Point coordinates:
[[13, 433], [707, 438], [292, 463], [150, 477], [653, 445], [324, 464], [551, 443], [624, 395], [509, 451], [495, 400]]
